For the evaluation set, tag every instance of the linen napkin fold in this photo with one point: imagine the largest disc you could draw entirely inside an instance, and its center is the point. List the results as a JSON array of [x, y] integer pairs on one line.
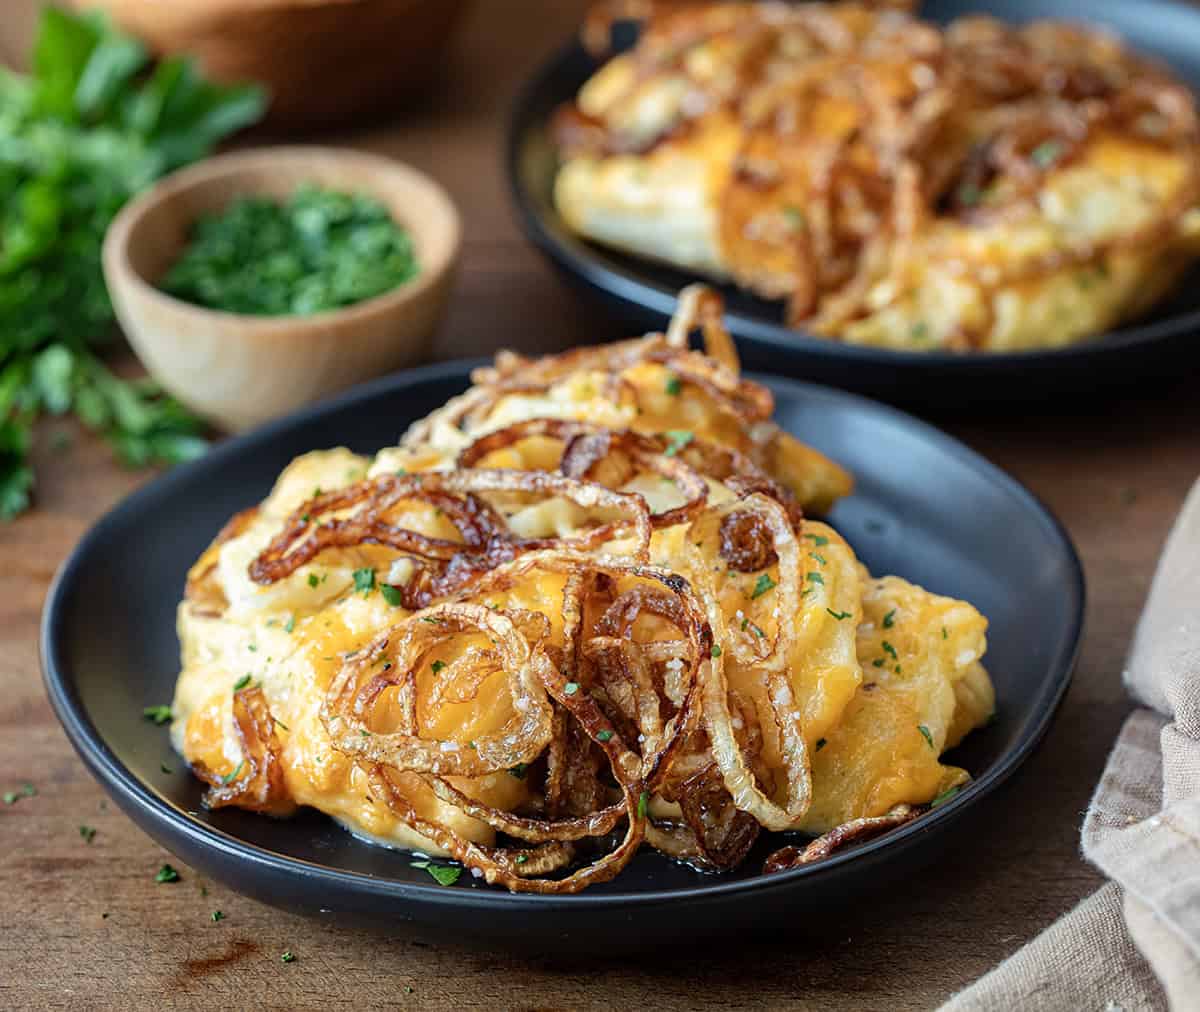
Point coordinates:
[[1135, 943]]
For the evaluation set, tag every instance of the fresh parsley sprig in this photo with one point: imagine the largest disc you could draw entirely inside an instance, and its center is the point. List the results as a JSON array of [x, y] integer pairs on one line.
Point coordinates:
[[90, 127]]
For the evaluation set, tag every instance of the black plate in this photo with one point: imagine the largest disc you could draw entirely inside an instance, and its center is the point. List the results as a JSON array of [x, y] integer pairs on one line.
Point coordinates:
[[926, 507], [642, 294]]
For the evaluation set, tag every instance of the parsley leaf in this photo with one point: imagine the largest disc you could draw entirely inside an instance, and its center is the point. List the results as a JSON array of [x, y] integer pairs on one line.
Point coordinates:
[[437, 666], [820, 744], [817, 539], [288, 957], [445, 875], [88, 833], [604, 735], [678, 439], [364, 580], [166, 874], [889, 619], [86, 131], [391, 594], [674, 385], [925, 734], [158, 714], [764, 584], [945, 796], [839, 615]]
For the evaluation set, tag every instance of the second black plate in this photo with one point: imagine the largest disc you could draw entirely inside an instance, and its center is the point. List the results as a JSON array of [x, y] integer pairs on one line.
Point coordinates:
[[925, 507], [642, 294]]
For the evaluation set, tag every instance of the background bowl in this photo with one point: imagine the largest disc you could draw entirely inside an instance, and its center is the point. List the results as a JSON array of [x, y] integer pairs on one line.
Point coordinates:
[[241, 370], [642, 294], [324, 61]]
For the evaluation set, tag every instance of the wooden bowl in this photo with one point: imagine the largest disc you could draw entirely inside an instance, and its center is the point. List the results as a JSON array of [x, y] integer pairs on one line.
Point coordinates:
[[323, 61], [240, 370]]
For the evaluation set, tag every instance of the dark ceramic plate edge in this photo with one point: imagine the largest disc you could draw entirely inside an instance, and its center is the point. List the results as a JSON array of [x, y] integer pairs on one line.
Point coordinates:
[[136, 798]]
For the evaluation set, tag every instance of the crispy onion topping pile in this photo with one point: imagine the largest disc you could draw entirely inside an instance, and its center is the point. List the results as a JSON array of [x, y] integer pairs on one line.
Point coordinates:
[[617, 698], [860, 125]]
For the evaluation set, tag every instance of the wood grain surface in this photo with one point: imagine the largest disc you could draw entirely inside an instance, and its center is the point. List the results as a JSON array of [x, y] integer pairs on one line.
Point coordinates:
[[85, 926]]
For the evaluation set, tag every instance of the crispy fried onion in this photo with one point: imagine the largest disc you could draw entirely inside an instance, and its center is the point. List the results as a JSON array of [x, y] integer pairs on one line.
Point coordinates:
[[587, 446], [444, 566], [746, 648], [855, 831], [713, 371], [257, 781], [391, 662], [606, 695]]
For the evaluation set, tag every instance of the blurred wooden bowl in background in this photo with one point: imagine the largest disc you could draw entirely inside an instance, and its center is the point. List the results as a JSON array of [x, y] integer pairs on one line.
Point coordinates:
[[325, 62]]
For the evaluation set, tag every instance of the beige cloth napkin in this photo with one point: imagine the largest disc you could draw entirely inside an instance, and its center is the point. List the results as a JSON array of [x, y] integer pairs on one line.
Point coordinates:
[[1135, 944]]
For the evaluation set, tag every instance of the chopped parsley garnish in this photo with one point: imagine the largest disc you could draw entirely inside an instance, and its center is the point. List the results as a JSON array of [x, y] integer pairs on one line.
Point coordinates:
[[678, 439], [820, 744], [166, 874], [794, 216], [288, 957], [878, 662], [818, 557], [290, 625], [815, 578], [945, 796], [716, 650], [165, 768], [604, 735], [313, 580], [253, 648], [241, 683], [10, 797], [158, 714], [839, 615], [437, 666], [234, 773], [571, 688], [88, 833], [945, 635], [444, 874], [522, 858], [969, 194], [764, 584], [817, 539], [925, 734], [643, 802], [217, 916], [1046, 154], [431, 619], [391, 594], [518, 771], [364, 579], [919, 331], [674, 385], [281, 723], [889, 619], [889, 649]]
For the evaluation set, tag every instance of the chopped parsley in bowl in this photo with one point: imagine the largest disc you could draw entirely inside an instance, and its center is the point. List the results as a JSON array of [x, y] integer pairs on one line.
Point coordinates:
[[319, 250]]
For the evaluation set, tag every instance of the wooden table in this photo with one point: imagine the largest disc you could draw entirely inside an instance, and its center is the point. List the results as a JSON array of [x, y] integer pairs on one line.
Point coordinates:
[[85, 925]]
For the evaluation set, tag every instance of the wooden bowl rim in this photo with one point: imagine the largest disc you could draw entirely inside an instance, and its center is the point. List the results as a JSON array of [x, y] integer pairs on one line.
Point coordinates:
[[446, 232]]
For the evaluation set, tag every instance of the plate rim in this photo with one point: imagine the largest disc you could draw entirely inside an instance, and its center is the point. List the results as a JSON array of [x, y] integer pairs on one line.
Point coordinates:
[[593, 267], [176, 824]]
